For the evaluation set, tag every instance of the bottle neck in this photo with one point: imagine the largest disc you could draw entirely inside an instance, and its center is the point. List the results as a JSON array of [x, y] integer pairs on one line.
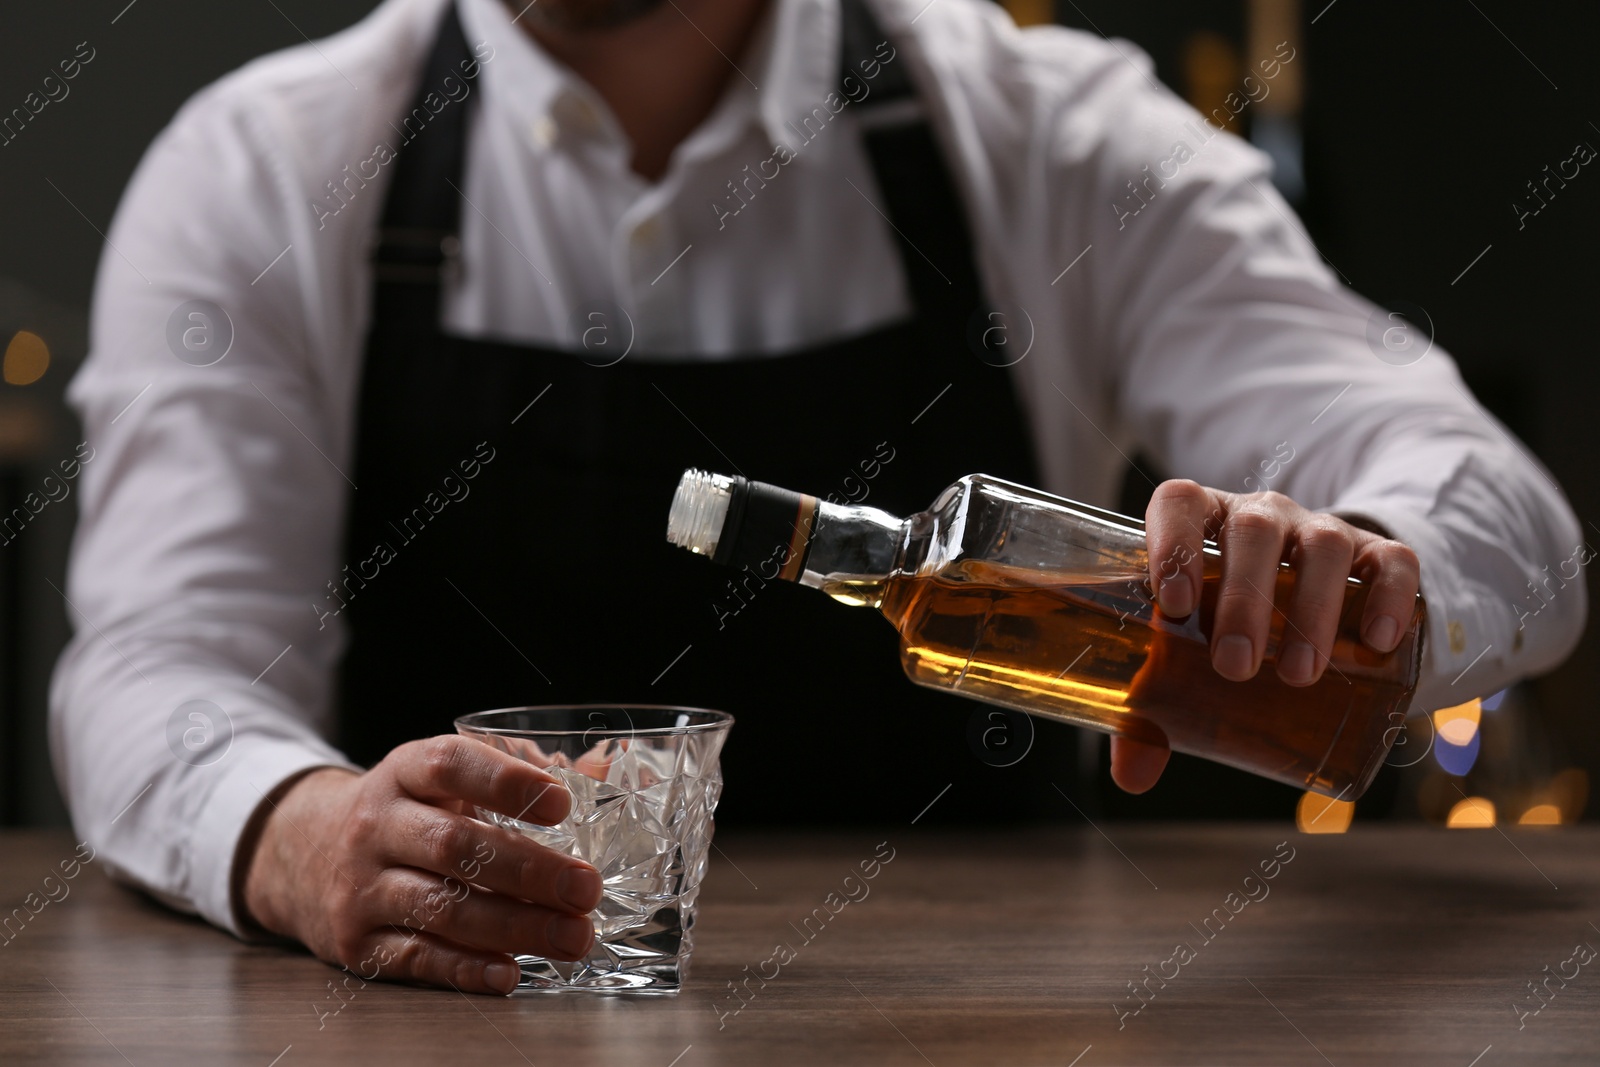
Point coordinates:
[[853, 551], [848, 552]]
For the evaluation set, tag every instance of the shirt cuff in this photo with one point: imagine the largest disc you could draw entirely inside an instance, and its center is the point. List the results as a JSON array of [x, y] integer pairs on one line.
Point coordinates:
[[250, 777], [1468, 636]]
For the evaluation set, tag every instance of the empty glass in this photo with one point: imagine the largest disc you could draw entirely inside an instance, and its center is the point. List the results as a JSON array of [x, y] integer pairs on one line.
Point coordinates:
[[644, 781]]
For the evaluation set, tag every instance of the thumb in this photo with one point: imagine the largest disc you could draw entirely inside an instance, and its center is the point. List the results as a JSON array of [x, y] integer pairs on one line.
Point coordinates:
[[1136, 765]]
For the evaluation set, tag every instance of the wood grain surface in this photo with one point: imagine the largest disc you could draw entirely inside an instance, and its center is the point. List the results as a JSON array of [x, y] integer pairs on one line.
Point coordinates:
[[1387, 945]]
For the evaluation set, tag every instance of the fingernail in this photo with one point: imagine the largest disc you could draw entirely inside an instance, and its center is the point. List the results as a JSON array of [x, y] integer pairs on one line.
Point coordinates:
[[1297, 663], [1383, 633], [579, 888], [502, 977], [1235, 657], [1177, 596], [570, 935]]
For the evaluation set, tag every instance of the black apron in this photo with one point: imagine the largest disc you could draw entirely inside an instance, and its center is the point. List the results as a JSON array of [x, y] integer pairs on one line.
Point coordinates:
[[547, 578]]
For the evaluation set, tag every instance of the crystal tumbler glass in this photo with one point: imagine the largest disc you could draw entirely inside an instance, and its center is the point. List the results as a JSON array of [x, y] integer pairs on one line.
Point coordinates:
[[644, 781]]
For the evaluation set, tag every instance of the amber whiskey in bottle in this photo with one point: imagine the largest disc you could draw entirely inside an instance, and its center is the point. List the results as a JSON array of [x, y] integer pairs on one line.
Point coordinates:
[[1016, 597]]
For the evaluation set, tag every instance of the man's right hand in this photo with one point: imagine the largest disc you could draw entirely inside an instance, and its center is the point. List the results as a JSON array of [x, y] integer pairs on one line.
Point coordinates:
[[383, 873]]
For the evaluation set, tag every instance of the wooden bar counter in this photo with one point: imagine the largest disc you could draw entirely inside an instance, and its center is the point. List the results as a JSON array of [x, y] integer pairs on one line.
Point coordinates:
[[1193, 944]]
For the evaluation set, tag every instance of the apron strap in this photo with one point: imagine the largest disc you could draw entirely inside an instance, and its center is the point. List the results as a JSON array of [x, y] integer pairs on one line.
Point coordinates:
[[417, 243], [925, 210]]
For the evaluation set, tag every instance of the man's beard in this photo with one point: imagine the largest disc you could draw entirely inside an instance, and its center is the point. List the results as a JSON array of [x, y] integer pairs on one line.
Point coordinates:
[[585, 14]]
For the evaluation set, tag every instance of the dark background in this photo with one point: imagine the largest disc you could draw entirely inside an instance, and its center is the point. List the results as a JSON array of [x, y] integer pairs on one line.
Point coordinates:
[[1422, 123]]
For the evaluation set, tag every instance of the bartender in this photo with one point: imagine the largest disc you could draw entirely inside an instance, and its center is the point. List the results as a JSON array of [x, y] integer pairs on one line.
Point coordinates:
[[402, 338]]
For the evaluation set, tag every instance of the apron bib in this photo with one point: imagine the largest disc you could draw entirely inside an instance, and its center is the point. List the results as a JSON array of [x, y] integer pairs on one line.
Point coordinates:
[[546, 576]]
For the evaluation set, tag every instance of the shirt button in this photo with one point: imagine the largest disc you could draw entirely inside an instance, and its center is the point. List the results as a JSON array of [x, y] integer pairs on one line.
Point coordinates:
[[1458, 637], [543, 131], [647, 231], [584, 115]]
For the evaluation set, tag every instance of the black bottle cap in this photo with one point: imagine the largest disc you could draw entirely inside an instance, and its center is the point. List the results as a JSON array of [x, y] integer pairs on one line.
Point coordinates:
[[767, 528]]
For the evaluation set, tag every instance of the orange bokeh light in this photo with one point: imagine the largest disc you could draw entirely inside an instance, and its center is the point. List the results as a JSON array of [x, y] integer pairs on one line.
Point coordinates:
[[27, 358], [1457, 724], [1541, 815], [1471, 813], [1317, 814]]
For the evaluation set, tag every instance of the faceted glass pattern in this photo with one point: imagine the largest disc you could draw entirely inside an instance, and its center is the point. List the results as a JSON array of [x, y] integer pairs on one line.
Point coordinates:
[[645, 781]]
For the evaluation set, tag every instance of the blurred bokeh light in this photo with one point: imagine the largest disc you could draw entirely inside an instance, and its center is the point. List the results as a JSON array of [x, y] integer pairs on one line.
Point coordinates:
[[1541, 815], [1458, 724], [27, 358], [1456, 738], [1317, 814], [1471, 813]]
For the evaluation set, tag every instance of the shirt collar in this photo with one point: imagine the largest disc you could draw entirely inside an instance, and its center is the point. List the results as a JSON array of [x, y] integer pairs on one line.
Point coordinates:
[[799, 64], [788, 70], [520, 76]]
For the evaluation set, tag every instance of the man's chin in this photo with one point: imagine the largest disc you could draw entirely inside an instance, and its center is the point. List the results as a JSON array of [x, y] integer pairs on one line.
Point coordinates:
[[585, 14]]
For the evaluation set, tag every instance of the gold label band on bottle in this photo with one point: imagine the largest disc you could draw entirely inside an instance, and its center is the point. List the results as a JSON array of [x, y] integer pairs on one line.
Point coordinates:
[[804, 525]]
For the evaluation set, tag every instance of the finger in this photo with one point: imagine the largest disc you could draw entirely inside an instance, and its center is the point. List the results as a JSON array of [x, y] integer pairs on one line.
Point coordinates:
[[1175, 529], [1393, 575], [525, 749], [1136, 765], [445, 843], [429, 960], [1253, 535], [1323, 551], [477, 918], [447, 768]]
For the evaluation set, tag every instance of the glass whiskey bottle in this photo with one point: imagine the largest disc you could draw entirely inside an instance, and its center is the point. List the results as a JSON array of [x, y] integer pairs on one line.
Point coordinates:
[[1013, 596]]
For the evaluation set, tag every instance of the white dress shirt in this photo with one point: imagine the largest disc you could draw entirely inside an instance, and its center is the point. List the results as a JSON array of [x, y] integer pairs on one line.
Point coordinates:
[[1204, 328]]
